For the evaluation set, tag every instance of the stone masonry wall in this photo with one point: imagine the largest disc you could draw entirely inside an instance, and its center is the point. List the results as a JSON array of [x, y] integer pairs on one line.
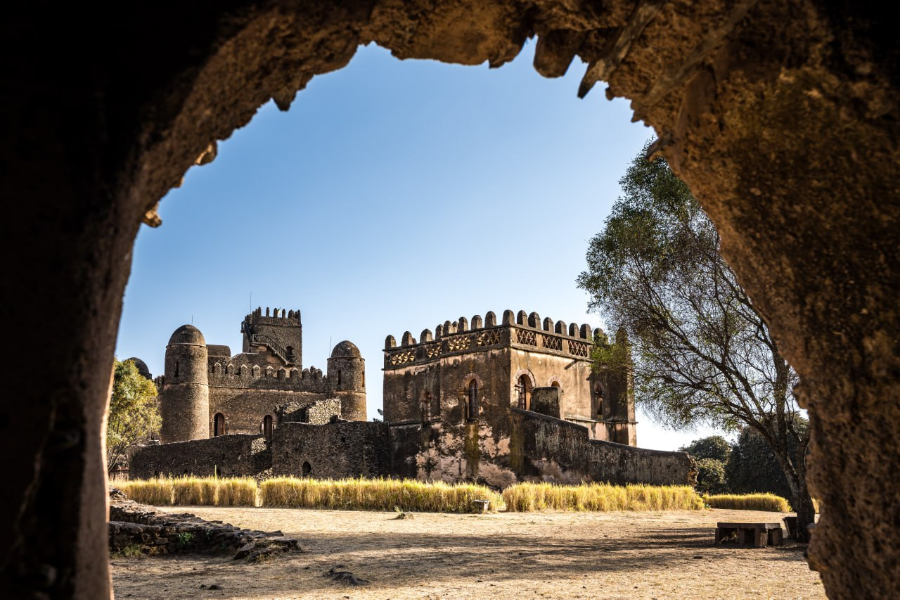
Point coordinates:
[[231, 455], [546, 449], [348, 449]]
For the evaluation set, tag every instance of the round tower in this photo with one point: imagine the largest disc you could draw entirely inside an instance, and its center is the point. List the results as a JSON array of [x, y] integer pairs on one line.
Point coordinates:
[[184, 401], [347, 377]]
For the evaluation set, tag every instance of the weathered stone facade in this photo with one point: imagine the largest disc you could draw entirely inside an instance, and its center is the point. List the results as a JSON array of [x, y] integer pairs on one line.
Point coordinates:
[[460, 407], [207, 392], [465, 373]]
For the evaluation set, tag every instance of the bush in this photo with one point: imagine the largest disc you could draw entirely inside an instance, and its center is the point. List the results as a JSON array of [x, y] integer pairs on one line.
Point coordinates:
[[753, 467], [769, 502], [714, 447], [195, 491], [374, 494], [711, 476], [527, 497]]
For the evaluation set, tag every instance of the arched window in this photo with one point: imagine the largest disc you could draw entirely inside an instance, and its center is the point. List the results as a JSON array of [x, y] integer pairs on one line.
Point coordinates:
[[268, 427], [473, 400], [176, 368], [426, 407], [290, 353], [339, 377], [598, 400], [307, 468], [523, 390], [218, 425]]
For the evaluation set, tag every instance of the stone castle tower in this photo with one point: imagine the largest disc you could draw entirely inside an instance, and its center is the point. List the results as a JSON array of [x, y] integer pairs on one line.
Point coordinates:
[[185, 403], [207, 392]]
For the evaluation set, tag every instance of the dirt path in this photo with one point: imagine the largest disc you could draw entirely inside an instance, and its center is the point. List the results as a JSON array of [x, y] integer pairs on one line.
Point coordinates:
[[521, 556]]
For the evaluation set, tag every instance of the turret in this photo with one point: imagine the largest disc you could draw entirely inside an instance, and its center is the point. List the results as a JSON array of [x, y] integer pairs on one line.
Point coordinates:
[[184, 400], [347, 377]]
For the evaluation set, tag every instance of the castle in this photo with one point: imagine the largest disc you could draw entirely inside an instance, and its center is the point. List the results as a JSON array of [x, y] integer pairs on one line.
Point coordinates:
[[490, 402], [206, 392], [477, 371]]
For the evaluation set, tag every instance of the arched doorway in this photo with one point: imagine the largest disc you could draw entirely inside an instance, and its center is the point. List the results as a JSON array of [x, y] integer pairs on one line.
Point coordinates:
[[523, 392], [268, 427], [218, 425]]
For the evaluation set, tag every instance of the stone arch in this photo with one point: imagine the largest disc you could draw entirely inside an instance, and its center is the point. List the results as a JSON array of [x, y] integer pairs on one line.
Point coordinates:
[[267, 427], [244, 371], [220, 425], [555, 381], [698, 98], [523, 384], [256, 371], [217, 369], [229, 370]]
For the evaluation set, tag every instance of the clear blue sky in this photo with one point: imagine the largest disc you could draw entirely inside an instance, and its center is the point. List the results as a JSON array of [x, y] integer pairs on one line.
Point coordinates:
[[392, 196]]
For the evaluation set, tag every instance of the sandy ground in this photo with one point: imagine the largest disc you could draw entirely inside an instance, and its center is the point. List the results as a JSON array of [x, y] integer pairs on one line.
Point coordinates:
[[521, 556]]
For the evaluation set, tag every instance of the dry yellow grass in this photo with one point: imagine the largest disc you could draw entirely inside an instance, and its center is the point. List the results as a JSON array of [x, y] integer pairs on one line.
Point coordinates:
[[194, 491], [768, 502], [526, 497], [374, 494], [237, 491]]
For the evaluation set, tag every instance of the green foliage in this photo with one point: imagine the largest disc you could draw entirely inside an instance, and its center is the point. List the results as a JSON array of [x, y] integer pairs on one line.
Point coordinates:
[[184, 538], [702, 352], [753, 467], [715, 447], [133, 413], [711, 476]]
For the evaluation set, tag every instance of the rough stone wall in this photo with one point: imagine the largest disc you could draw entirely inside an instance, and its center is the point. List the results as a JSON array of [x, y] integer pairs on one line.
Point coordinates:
[[322, 412], [546, 401], [347, 449], [244, 410], [546, 449], [231, 455]]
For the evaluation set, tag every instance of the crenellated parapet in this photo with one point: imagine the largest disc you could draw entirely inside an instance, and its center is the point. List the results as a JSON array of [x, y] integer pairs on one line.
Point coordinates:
[[515, 330], [232, 373]]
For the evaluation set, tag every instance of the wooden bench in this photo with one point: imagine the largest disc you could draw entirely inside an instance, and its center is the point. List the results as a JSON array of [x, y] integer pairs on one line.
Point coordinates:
[[756, 535]]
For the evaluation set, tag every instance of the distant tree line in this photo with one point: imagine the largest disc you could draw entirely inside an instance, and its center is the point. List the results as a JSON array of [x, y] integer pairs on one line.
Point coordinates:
[[745, 467]]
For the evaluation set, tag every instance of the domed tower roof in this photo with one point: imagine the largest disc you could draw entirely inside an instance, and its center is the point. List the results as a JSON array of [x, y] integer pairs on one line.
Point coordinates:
[[141, 366], [345, 350], [187, 334]]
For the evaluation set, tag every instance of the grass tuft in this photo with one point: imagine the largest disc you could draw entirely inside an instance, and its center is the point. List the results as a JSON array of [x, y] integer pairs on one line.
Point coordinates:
[[197, 491], [375, 494], [528, 497], [768, 502]]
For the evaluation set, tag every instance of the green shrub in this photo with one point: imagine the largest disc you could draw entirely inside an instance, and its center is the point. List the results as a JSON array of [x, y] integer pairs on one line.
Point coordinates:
[[711, 476]]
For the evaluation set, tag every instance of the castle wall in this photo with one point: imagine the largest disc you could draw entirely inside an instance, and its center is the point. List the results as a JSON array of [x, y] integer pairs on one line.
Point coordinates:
[[337, 450], [232, 455], [573, 377], [244, 409], [546, 449]]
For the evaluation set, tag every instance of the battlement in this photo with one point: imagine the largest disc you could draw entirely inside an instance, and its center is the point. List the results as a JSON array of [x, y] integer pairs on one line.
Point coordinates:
[[520, 329], [274, 316], [227, 374]]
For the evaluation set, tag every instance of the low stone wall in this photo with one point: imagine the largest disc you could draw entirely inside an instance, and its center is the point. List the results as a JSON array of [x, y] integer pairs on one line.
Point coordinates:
[[239, 455], [136, 526], [546, 449], [336, 450]]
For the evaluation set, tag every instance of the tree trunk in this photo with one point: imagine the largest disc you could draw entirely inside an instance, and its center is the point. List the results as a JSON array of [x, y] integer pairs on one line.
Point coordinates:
[[806, 512]]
